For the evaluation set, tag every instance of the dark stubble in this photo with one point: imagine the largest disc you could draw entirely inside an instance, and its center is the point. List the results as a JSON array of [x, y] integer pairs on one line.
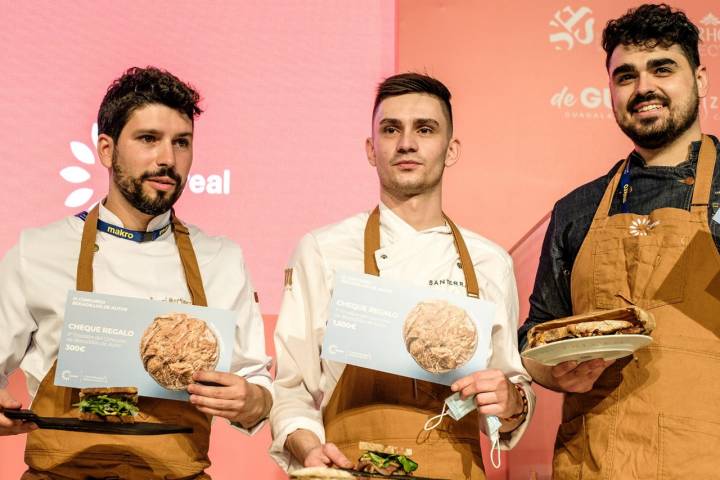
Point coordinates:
[[132, 189], [653, 133]]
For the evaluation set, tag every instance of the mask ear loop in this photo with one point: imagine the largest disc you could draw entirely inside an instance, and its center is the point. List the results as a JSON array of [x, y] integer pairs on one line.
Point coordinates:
[[493, 449], [435, 421]]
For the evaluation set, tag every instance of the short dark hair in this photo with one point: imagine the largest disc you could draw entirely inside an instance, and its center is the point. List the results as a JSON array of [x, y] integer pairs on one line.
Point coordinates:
[[651, 25], [405, 83], [138, 87]]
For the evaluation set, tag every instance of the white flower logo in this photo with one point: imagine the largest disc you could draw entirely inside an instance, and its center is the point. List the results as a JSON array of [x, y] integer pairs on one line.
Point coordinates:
[[710, 19], [76, 174], [641, 227]]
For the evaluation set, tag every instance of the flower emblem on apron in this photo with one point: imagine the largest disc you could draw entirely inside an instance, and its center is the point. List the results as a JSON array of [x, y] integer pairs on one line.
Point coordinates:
[[641, 227]]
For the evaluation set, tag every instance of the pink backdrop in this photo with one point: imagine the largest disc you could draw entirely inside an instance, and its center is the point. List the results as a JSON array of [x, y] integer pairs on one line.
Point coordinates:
[[288, 90]]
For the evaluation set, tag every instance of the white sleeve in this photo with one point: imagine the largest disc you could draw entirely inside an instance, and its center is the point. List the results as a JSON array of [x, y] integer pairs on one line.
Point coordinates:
[[505, 355], [16, 323], [249, 359], [298, 339]]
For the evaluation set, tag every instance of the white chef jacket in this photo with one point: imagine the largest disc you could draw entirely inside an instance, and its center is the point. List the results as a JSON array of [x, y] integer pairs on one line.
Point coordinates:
[[37, 273], [304, 382]]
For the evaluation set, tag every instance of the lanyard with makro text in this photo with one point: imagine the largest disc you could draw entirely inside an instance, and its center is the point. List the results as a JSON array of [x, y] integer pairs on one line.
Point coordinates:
[[127, 234]]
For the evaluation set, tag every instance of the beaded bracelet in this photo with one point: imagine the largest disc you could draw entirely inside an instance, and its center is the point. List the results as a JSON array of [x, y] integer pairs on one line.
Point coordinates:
[[524, 411]]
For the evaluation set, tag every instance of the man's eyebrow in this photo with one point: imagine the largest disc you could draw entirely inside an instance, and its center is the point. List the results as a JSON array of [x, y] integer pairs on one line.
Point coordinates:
[[390, 121], [427, 121], [184, 135], [624, 68], [660, 62]]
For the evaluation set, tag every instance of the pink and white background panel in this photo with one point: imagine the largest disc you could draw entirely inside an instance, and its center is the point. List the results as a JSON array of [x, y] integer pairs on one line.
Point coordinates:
[[288, 88]]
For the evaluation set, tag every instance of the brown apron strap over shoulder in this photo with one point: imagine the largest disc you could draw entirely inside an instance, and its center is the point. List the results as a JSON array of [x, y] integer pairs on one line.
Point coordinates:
[[84, 278], [189, 262], [704, 174], [372, 244], [701, 190]]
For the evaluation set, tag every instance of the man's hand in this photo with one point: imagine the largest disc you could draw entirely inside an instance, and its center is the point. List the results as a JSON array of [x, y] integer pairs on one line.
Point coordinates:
[[12, 427], [230, 396], [571, 377], [326, 455], [579, 377], [495, 394], [306, 447]]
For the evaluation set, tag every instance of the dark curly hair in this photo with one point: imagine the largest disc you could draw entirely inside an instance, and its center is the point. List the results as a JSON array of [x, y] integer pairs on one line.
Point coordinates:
[[138, 87], [404, 83], [651, 25]]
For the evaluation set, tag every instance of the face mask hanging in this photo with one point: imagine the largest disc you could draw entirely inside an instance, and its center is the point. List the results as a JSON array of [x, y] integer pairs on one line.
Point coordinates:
[[456, 408]]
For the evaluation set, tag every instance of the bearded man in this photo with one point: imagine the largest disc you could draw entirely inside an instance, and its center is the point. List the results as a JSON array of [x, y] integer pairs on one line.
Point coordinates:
[[130, 244], [645, 234]]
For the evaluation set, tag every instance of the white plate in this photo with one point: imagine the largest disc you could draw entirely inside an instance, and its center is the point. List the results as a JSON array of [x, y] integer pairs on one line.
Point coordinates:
[[608, 347]]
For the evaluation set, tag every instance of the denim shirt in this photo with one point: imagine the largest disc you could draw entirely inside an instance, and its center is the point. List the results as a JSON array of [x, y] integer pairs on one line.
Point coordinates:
[[652, 188]]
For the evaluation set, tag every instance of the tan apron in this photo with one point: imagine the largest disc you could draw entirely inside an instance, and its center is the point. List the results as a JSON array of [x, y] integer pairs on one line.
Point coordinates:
[[55, 454], [380, 407], [655, 416]]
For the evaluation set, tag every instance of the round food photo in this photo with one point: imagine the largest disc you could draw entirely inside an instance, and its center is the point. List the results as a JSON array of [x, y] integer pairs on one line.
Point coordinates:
[[439, 336], [176, 345]]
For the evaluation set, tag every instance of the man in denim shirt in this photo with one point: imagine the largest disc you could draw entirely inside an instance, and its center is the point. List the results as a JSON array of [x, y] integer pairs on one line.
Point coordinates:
[[617, 414]]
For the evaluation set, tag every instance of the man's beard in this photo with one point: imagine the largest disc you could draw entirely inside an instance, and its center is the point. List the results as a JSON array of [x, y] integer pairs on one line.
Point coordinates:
[[132, 189], [653, 133]]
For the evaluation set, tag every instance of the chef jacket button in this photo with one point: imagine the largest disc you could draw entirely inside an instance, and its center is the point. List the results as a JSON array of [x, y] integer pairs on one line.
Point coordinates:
[[383, 256], [96, 248], [459, 265]]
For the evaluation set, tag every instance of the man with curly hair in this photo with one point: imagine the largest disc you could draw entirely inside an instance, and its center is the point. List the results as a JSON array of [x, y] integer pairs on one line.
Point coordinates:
[[645, 234], [130, 244]]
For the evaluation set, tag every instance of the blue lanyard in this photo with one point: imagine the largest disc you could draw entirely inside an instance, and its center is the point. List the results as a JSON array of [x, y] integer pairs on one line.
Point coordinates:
[[625, 184], [127, 234]]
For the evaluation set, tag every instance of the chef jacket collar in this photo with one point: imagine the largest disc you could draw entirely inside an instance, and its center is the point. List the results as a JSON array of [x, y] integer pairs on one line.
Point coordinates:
[[155, 223], [395, 228]]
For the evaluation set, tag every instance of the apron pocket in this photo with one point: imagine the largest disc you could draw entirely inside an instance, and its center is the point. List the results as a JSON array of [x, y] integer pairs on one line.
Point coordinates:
[[688, 448], [570, 449], [647, 271]]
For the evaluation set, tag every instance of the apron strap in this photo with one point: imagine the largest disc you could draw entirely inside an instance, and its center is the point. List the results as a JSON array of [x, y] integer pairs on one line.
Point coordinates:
[[603, 209], [84, 278], [703, 174], [372, 244], [193, 278]]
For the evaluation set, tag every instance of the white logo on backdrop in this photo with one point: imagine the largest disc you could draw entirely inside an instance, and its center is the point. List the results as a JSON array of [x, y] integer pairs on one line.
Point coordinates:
[[78, 175], [709, 36], [214, 184], [588, 103], [568, 19], [710, 19]]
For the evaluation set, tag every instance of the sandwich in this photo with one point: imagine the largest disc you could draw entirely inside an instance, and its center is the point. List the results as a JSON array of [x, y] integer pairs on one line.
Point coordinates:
[[620, 321], [109, 404], [386, 460], [320, 473]]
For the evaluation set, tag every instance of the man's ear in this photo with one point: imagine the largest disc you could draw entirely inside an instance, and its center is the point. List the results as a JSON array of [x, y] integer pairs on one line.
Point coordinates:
[[105, 148], [453, 152], [370, 152], [702, 81]]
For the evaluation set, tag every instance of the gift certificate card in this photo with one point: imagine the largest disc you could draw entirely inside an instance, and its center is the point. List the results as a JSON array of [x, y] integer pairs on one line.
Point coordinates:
[[112, 341], [417, 332]]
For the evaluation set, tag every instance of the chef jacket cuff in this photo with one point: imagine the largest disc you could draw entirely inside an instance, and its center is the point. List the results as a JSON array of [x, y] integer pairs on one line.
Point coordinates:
[[279, 453]]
